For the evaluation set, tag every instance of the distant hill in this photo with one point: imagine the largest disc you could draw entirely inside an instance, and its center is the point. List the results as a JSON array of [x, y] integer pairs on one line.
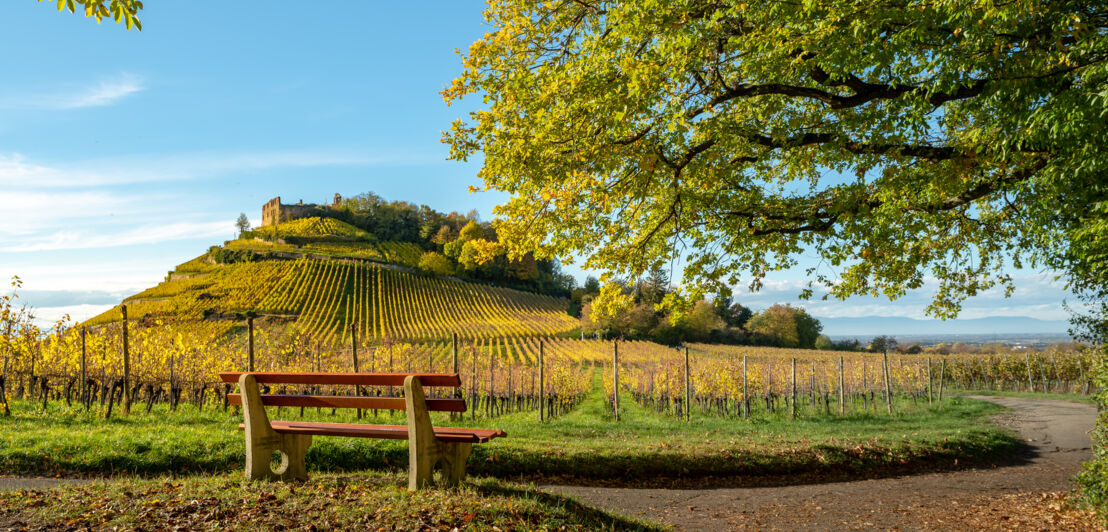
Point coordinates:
[[870, 326], [326, 278]]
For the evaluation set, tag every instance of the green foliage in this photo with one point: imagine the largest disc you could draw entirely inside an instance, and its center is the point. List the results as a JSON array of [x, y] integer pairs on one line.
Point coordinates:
[[777, 323], [787, 326], [230, 256], [1094, 478], [881, 344], [122, 11], [471, 231], [895, 142], [242, 224], [436, 264]]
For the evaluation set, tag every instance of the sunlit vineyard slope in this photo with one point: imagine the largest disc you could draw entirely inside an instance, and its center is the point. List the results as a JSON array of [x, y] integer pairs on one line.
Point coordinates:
[[328, 299]]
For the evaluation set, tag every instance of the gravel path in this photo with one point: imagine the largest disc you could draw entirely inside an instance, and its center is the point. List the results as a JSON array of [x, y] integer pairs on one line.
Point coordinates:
[[1056, 431]]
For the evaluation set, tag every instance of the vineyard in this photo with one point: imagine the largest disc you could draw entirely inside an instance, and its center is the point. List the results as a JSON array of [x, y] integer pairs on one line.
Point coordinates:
[[148, 361], [331, 300]]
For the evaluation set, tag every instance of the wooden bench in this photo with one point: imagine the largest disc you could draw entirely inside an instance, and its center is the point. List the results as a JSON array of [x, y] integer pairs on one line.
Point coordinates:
[[428, 446]]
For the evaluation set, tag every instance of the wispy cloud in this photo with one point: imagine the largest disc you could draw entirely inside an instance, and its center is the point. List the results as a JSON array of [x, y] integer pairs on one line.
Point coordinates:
[[34, 212], [97, 94], [16, 170], [1037, 295], [147, 234]]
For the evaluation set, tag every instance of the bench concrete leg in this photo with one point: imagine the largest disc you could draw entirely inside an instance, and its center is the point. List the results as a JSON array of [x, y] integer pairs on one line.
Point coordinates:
[[454, 462], [293, 447], [262, 440], [258, 454]]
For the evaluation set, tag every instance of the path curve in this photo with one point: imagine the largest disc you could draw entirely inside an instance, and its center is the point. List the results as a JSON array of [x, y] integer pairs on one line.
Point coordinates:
[[1056, 433]]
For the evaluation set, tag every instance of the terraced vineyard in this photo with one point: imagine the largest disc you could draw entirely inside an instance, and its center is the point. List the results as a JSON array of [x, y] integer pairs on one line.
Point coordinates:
[[327, 299]]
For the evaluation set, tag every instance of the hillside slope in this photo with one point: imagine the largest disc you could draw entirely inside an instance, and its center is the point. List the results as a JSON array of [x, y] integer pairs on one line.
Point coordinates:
[[336, 280]]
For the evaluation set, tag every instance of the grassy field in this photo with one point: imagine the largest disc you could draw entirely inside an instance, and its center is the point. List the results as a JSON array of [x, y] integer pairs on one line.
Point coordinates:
[[585, 446]]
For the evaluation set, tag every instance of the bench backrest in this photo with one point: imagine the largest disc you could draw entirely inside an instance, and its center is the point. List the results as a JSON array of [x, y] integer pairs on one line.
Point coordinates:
[[349, 379]]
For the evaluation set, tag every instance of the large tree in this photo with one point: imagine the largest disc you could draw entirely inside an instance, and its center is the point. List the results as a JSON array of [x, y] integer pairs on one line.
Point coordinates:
[[895, 140]]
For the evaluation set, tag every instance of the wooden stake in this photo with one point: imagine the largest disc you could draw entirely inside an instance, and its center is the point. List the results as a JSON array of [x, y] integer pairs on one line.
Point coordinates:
[[942, 379], [250, 344], [1030, 383], [792, 405], [842, 390], [454, 368], [888, 391], [126, 366], [746, 397], [354, 360], [688, 388], [84, 366], [615, 380], [542, 382], [1084, 384], [929, 381]]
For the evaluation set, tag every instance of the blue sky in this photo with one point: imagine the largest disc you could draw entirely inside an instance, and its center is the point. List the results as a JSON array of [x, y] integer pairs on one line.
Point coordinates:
[[124, 153]]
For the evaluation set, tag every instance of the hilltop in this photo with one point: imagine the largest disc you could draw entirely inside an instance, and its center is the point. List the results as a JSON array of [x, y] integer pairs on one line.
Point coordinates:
[[327, 277]]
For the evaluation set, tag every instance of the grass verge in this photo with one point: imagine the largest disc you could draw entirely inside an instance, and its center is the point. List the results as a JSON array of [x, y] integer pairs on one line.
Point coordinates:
[[329, 501], [586, 446], [1072, 397]]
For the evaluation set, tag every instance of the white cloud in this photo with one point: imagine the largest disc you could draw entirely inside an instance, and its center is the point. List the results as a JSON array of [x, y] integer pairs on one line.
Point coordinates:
[[1037, 295], [47, 316], [98, 94], [18, 171], [32, 212], [147, 234], [109, 275]]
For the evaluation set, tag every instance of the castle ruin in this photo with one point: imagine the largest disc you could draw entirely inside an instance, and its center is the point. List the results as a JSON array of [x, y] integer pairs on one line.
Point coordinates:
[[275, 212]]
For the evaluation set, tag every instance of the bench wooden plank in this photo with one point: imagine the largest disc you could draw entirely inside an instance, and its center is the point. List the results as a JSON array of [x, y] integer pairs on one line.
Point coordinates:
[[355, 379], [351, 401], [387, 432]]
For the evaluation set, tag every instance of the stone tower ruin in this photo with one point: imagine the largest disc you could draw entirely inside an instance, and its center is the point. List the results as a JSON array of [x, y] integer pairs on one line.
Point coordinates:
[[275, 212]]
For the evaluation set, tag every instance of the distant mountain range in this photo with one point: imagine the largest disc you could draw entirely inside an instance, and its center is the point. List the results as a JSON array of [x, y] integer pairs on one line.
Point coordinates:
[[870, 326]]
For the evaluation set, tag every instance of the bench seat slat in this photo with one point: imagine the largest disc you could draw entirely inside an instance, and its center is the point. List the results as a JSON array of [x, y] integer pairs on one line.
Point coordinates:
[[355, 379], [388, 432], [351, 401]]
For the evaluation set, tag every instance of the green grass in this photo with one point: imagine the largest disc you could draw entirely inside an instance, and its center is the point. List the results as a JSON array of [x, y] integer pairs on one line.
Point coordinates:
[[1074, 397], [585, 446], [361, 501]]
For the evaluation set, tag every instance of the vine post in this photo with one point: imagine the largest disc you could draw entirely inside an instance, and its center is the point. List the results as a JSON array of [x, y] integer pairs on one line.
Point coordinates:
[[454, 368], [126, 365], [942, 378], [84, 365], [615, 380], [688, 389], [250, 343], [930, 399], [842, 388], [354, 359], [885, 371], [1030, 382], [746, 396], [542, 382], [792, 404]]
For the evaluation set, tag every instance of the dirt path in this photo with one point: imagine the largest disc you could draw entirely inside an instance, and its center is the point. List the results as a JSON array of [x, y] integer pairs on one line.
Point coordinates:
[[1056, 432], [34, 483]]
